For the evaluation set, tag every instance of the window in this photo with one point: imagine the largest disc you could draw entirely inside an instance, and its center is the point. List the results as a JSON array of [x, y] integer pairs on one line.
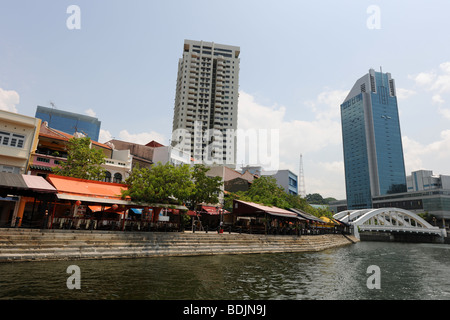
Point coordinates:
[[108, 176], [41, 159], [11, 139], [117, 178], [9, 169]]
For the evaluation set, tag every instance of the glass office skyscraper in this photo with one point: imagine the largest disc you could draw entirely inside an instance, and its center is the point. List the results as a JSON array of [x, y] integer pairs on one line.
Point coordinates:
[[373, 151], [70, 122]]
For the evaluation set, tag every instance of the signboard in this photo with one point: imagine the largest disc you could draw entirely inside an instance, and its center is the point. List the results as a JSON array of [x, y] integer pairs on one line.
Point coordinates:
[[163, 218], [81, 210]]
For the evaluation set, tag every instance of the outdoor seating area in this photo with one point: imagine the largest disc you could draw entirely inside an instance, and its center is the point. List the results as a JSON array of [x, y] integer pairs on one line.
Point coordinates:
[[75, 204], [111, 224]]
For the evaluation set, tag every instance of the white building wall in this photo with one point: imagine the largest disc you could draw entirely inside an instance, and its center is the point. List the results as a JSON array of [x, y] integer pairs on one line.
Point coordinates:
[[120, 163], [18, 139]]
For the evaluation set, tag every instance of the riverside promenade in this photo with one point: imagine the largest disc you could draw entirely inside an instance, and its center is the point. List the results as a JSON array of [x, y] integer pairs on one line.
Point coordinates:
[[44, 244]]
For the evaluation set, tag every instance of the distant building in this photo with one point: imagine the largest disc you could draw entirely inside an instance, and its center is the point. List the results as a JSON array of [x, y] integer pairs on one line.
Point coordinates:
[[51, 150], [256, 170], [285, 178], [18, 139], [427, 194], [233, 180], [152, 153], [174, 156], [142, 155], [373, 152], [70, 122], [425, 180], [338, 205], [206, 102]]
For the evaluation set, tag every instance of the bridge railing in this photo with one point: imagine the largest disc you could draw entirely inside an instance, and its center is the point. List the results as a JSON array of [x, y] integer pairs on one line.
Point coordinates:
[[434, 230]]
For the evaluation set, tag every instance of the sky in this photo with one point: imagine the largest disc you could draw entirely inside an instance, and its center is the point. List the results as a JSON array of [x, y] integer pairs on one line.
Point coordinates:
[[118, 60]]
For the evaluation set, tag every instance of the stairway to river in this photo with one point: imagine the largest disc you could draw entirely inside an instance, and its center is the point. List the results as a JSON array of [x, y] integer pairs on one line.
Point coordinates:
[[18, 244]]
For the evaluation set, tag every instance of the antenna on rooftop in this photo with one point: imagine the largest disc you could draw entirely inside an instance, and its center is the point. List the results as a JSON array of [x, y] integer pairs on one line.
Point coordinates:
[[301, 177], [51, 113]]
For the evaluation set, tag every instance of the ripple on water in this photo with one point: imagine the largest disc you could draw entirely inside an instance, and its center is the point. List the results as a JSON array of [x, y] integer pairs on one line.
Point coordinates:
[[408, 271]]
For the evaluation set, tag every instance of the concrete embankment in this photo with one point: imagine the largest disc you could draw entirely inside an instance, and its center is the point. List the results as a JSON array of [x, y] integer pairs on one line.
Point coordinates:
[[36, 244]]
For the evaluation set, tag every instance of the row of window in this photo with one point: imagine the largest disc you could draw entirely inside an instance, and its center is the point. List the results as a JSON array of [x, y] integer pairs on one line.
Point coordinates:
[[11, 139], [116, 179]]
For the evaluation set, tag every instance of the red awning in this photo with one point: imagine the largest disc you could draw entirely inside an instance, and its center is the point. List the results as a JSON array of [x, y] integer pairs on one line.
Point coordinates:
[[210, 210]]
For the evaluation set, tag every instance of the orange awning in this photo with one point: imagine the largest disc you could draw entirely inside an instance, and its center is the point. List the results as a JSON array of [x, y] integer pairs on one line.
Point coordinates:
[[87, 190], [98, 208]]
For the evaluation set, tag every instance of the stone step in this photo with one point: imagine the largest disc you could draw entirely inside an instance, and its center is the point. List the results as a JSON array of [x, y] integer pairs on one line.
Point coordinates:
[[59, 253], [178, 246], [29, 244]]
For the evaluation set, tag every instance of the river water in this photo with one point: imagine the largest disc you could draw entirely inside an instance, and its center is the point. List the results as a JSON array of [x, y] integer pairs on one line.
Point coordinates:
[[406, 271]]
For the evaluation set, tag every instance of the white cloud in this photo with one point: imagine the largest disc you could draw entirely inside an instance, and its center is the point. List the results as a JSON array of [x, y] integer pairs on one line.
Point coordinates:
[[326, 105], [438, 84], [317, 139], [424, 78], [139, 138], [445, 66], [437, 81], [442, 84], [8, 100], [104, 136], [142, 137], [432, 156], [403, 94], [437, 99], [90, 113], [412, 153]]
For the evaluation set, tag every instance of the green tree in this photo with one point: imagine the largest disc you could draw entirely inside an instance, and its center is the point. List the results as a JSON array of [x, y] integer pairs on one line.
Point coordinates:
[[82, 161], [160, 184], [266, 191], [206, 189], [316, 198], [263, 190]]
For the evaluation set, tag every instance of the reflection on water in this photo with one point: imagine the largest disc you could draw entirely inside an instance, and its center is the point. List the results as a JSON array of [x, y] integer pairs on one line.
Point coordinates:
[[408, 271]]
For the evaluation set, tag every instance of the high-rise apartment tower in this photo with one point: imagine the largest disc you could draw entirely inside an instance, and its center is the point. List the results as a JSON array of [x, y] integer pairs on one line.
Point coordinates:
[[373, 151], [206, 102]]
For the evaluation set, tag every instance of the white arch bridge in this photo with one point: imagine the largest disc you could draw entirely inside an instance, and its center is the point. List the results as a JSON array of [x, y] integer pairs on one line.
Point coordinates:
[[391, 220]]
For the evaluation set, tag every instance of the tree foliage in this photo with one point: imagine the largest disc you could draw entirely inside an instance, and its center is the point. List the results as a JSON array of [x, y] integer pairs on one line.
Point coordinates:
[[160, 184], [82, 161], [172, 184], [316, 198], [266, 191], [206, 189]]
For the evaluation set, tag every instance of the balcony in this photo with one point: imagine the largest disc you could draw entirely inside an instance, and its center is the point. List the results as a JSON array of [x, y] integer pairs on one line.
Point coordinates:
[[45, 162]]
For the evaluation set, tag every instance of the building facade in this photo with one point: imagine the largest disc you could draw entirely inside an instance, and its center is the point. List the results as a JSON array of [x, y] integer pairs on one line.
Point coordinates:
[[373, 151], [285, 179], [206, 102], [233, 180], [70, 122], [425, 180], [18, 140], [51, 150]]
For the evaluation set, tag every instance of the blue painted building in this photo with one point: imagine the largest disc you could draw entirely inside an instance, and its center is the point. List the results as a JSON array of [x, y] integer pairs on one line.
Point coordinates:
[[373, 151], [70, 122]]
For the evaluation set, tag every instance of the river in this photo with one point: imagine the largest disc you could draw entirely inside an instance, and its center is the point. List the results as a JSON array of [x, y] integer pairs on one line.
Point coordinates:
[[405, 271]]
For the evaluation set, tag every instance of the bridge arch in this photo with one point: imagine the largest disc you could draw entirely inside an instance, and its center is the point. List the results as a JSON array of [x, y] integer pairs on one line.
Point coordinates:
[[388, 220]]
